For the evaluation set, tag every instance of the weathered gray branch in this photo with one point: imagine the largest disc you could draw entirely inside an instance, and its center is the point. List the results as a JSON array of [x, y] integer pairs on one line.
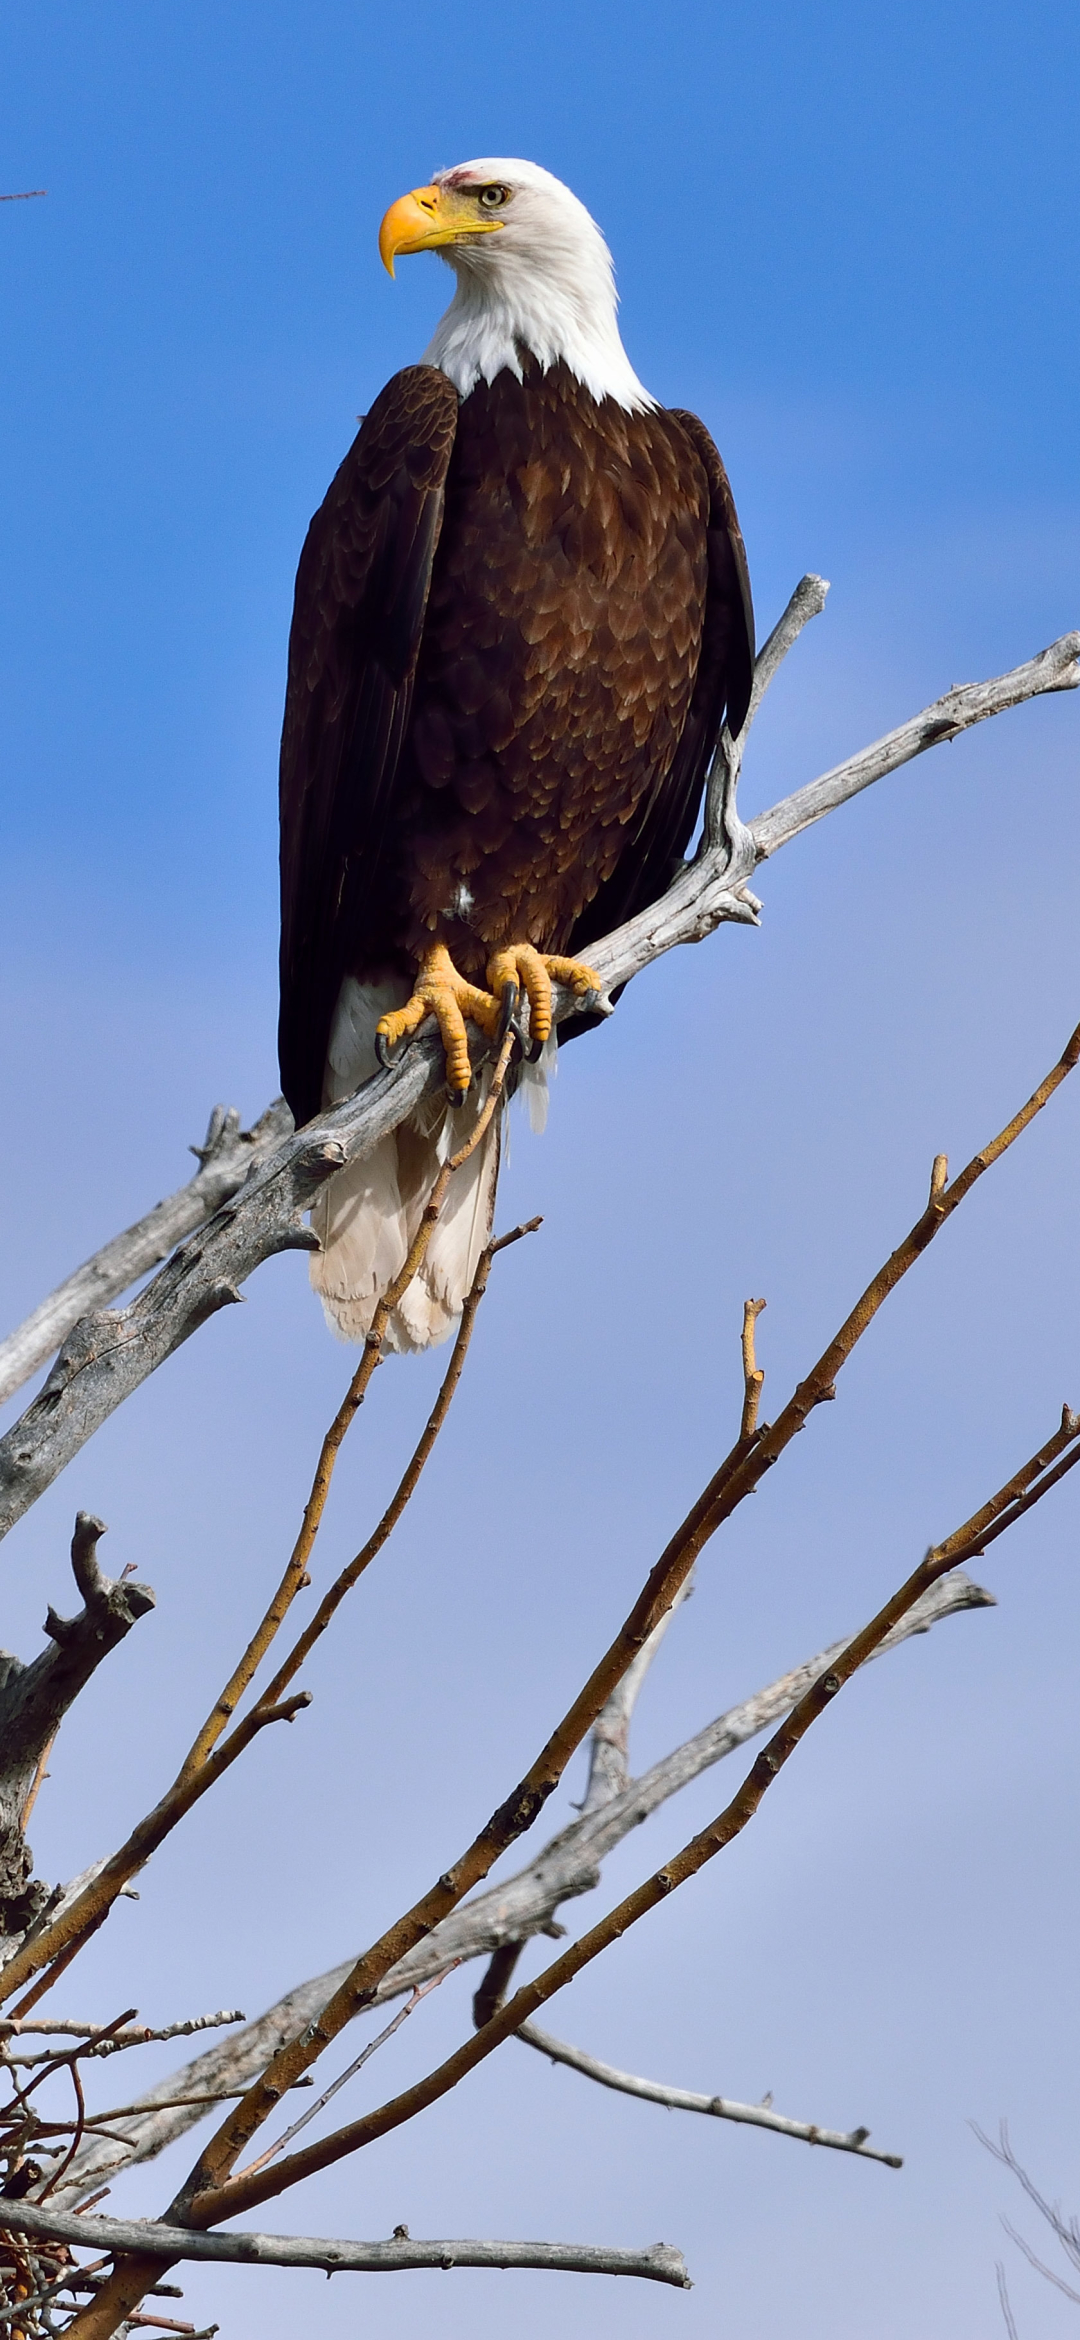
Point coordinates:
[[510, 1912], [609, 1745], [226, 1158], [130, 2036], [723, 2108], [660, 2264], [34, 1699], [109, 1353]]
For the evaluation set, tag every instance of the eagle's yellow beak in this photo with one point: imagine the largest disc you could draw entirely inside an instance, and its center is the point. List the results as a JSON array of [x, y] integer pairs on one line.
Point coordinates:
[[428, 217]]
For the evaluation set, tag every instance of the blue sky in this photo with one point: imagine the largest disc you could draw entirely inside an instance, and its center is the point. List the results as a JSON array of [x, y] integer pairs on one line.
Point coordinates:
[[846, 238]]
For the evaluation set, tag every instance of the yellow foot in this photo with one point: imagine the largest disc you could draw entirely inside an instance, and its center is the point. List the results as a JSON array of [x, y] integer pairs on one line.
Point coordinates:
[[534, 973], [443, 993]]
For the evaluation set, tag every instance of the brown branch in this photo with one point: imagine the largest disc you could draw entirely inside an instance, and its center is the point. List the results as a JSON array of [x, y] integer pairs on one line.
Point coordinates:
[[1027, 1486], [210, 1757], [295, 1573], [722, 2108], [737, 1476], [521, 1906], [351, 1574], [753, 1373]]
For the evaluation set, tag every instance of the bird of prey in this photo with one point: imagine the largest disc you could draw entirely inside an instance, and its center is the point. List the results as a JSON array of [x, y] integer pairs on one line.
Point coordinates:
[[521, 615]]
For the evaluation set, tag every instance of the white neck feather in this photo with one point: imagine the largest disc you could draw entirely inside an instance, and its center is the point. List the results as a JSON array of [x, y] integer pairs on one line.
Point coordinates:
[[544, 283]]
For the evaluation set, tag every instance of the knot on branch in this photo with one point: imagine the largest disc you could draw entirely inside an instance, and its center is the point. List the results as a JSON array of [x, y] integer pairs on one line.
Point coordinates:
[[517, 1814]]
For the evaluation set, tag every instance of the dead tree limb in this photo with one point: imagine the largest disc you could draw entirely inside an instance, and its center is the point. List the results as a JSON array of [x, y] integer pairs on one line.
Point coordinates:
[[227, 1156], [722, 2108], [660, 2264], [34, 1699], [737, 1477], [231, 2195], [522, 1907], [109, 1353]]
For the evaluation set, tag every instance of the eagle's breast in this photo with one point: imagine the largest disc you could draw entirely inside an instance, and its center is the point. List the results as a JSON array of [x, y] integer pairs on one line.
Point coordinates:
[[558, 659]]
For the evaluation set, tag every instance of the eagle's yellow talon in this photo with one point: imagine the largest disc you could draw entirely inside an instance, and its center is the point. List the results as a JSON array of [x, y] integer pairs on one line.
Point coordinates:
[[535, 971], [443, 993]]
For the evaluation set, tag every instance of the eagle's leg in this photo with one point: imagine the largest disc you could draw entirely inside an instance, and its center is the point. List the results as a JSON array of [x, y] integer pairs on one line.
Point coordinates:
[[535, 972], [441, 992]]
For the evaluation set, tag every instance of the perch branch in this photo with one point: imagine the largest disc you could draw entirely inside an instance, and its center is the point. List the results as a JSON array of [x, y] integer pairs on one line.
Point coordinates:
[[661, 2264], [109, 1353], [509, 1913], [723, 2108], [226, 1157]]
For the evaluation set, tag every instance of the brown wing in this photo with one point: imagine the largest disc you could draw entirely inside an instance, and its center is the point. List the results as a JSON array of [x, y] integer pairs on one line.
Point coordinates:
[[361, 593], [657, 841]]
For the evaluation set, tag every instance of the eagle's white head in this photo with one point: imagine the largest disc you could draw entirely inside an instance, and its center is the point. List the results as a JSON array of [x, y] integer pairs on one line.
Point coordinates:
[[533, 272]]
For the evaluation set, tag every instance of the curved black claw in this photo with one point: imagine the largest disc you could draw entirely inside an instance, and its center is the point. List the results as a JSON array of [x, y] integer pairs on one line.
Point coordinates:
[[455, 1097], [532, 1050], [388, 1056], [508, 1013]]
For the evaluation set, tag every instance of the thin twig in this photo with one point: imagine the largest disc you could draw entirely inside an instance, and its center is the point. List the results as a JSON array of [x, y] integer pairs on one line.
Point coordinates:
[[753, 1373], [1006, 2304], [295, 1572], [108, 2043], [355, 1568], [723, 2108], [350, 2072]]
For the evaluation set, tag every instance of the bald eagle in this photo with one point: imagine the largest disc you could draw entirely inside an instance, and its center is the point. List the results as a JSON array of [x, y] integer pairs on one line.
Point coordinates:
[[521, 614]]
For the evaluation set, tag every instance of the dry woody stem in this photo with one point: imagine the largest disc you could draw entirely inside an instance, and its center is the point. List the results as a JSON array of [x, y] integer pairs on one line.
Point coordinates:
[[213, 2193]]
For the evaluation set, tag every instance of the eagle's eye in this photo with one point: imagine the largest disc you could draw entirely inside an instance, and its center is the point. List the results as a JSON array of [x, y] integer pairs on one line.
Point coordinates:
[[493, 198]]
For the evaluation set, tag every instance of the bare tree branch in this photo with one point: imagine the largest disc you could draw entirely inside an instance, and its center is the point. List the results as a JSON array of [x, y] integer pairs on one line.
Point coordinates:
[[660, 2264], [226, 1158], [522, 1906], [1066, 2230], [65, 1921], [231, 2195], [110, 2044], [108, 1353], [723, 2108], [1006, 2303], [609, 1746], [34, 1699]]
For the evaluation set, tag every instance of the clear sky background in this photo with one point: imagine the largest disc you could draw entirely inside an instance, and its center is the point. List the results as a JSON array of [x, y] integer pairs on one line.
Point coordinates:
[[846, 236]]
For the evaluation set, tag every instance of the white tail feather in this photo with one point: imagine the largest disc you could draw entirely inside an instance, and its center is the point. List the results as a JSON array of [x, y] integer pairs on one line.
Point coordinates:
[[367, 1216]]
